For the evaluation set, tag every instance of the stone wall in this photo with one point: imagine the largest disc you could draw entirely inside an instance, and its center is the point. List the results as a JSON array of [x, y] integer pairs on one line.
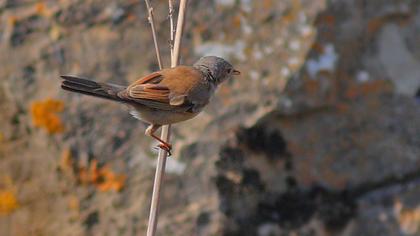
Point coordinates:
[[319, 136]]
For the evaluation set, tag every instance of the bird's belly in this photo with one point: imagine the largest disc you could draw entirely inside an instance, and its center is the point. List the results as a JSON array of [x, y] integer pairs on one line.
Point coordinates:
[[161, 117]]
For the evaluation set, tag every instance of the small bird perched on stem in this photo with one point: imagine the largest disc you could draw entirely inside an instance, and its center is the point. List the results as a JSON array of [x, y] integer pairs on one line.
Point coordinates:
[[164, 97]]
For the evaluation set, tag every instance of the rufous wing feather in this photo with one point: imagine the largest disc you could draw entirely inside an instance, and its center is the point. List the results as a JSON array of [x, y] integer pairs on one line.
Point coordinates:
[[156, 92], [153, 78]]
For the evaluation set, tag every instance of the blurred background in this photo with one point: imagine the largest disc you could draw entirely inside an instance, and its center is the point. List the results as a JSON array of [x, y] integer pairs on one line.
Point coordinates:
[[320, 135]]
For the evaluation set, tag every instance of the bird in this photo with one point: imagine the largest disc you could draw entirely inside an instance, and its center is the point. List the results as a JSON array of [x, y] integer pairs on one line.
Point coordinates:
[[162, 97]]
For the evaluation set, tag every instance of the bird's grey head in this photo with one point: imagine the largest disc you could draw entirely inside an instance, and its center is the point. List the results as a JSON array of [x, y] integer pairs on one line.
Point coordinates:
[[215, 68]]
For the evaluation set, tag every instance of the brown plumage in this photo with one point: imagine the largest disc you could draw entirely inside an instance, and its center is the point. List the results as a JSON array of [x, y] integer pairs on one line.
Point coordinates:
[[163, 97]]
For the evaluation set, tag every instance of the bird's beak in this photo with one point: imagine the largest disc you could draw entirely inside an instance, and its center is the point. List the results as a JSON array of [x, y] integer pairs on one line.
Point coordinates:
[[236, 72]]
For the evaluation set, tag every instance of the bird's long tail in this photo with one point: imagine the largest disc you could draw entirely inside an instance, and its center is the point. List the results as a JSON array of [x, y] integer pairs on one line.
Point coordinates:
[[89, 87]]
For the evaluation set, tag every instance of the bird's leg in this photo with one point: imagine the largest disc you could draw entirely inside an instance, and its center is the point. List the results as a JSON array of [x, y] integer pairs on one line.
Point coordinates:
[[150, 131]]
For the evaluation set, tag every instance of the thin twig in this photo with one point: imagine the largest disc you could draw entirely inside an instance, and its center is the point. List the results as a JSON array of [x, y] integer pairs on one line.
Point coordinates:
[[179, 31], [165, 135], [171, 28], [152, 26]]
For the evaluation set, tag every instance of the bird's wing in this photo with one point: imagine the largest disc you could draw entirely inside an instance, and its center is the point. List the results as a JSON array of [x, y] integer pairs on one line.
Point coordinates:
[[149, 92], [153, 78], [155, 92]]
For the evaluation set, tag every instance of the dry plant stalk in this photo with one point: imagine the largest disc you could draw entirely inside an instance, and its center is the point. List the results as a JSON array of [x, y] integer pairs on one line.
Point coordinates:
[[152, 26], [171, 28], [165, 135]]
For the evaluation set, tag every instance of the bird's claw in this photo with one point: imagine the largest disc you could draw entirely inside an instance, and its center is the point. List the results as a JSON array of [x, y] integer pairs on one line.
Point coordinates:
[[165, 146]]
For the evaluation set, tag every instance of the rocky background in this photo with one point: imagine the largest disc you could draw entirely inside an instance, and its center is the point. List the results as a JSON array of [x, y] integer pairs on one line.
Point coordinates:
[[319, 136]]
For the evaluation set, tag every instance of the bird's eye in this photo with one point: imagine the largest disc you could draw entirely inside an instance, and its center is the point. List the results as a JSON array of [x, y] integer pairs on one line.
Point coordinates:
[[229, 71]]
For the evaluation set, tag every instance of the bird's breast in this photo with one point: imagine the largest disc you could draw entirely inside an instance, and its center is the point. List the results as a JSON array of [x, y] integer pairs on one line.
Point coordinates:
[[160, 117]]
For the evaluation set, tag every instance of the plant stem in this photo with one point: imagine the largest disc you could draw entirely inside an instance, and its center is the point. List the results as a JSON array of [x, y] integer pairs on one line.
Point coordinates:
[[165, 135], [171, 28], [179, 31], [152, 26]]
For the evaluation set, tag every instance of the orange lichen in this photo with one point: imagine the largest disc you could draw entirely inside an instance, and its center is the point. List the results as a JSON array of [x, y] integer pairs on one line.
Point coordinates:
[[11, 21], [408, 218], [42, 9], [44, 115], [268, 4], [131, 17], [66, 163], [66, 160], [111, 181], [292, 13], [74, 203], [236, 21], [101, 177], [8, 199]]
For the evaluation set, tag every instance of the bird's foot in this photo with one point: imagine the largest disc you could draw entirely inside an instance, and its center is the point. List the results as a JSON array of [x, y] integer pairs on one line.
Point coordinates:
[[166, 146]]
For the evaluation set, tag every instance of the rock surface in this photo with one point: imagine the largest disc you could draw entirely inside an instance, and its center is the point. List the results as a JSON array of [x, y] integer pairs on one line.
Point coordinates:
[[319, 136]]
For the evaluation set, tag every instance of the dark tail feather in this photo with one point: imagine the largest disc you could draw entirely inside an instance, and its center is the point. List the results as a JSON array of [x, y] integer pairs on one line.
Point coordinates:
[[89, 87]]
